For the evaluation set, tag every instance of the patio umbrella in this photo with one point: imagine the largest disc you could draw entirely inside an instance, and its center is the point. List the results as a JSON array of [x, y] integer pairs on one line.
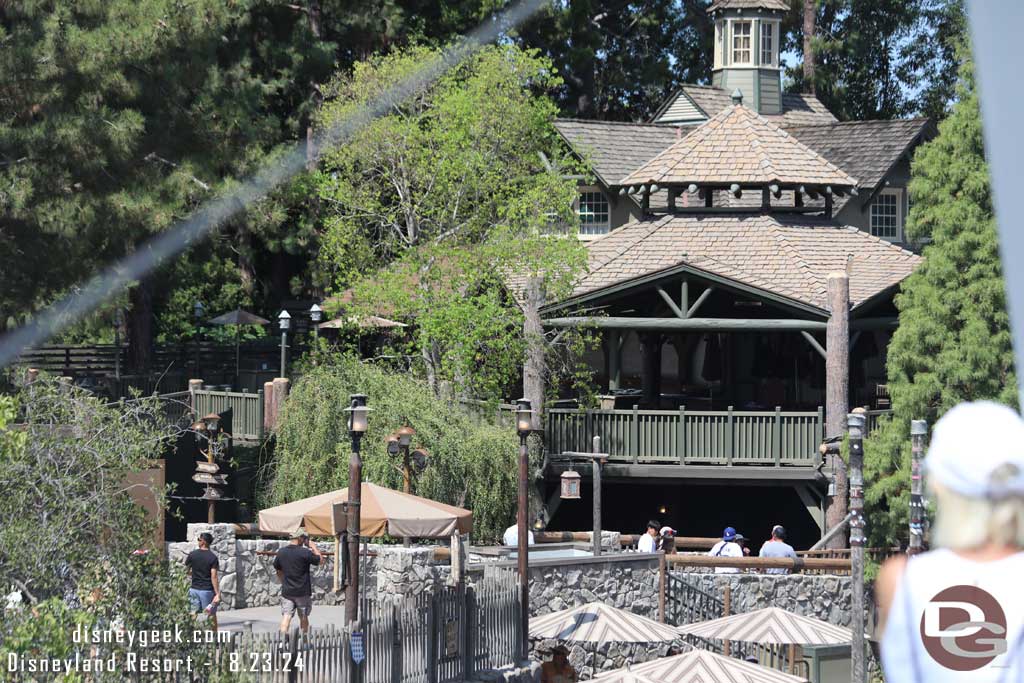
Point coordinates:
[[698, 666], [771, 625], [364, 322], [383, 511], [598, 624], [237, 317]]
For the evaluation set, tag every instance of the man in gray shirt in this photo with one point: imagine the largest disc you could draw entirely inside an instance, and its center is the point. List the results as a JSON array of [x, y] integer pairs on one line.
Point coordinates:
[[777, 547]]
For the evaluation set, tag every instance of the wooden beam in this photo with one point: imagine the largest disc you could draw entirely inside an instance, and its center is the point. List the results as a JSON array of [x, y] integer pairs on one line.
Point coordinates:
[[684, 295], [695, 324], [751, 475], [814, 508], [814, 343], [701, 299], [671, 304], [614, 359]]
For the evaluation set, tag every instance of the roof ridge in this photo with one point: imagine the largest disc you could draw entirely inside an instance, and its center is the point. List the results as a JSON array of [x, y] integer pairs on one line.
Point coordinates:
[[779, 129], [833, 124], [616, 123]]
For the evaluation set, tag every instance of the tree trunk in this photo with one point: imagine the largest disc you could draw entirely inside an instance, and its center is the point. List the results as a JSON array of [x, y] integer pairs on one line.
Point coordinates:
[[246, 269], [315, 15], [810, 9], [534, 366], [279, 276], [140, 328], [837, 393]]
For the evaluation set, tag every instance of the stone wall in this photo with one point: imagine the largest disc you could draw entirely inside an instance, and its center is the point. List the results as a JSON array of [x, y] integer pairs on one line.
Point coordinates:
[[248, 578], [823, 596], [626, 580]]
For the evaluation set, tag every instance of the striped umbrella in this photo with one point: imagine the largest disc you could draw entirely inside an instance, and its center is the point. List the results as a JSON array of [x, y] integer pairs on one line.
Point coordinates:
[[771, 625], [698, 666], [598, 623]]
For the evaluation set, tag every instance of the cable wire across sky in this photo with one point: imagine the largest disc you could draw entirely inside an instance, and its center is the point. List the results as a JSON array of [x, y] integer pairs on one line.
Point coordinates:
[[151, 254]]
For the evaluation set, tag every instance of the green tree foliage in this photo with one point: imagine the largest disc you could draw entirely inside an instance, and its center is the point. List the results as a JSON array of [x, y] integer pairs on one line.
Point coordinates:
[[432, 210], [953, 342], [471, 463], [620, 60], [881, 59], [69, 529]]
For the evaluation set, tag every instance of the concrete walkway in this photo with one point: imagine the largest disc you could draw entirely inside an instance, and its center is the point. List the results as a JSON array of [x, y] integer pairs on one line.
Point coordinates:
[[268, 619]]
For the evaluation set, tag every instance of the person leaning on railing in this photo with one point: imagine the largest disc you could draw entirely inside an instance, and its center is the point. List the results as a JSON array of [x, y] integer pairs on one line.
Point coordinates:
[[957, 613]]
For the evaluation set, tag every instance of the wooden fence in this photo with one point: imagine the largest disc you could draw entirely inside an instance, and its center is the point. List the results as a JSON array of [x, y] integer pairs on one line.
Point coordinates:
[[246, 410], [449, 635], [692, 436]]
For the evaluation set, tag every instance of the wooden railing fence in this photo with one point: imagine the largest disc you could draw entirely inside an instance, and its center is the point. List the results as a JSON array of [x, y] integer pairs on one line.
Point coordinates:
[[246, 410], [684, 436]]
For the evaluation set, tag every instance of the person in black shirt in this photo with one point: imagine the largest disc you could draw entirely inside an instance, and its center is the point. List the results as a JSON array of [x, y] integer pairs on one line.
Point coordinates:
[[292, 564], [202, 564]]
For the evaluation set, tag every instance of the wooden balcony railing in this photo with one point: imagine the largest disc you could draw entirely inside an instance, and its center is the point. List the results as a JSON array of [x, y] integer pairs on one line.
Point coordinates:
[[246, 411], [685, 437]]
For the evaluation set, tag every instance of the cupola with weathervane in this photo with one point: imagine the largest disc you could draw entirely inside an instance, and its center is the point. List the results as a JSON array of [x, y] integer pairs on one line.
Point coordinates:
[[747, 50]]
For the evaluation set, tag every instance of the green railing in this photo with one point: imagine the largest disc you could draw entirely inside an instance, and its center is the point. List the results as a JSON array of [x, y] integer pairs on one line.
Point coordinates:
[[246, 411], [685, 437]]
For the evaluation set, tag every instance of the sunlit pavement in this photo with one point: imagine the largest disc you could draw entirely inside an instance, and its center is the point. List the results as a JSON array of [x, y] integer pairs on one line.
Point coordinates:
[[268, 619]]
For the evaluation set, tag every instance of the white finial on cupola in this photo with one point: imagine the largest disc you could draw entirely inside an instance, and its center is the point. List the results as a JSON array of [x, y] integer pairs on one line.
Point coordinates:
[[737, 96]]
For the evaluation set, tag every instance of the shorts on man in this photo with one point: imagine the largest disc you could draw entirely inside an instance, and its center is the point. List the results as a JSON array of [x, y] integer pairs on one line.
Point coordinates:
[[302, 605], [201, 600]]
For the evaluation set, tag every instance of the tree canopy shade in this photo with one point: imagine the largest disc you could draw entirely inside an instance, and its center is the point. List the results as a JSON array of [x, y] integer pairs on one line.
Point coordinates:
[[953, 342], [471, 464], [431, 210]]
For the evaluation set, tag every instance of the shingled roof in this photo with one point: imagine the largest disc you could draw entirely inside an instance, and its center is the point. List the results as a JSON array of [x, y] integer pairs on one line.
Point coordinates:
[[866, 150], [798, 109], [781, 5], [789, 256], [739, 146], [616, 149]]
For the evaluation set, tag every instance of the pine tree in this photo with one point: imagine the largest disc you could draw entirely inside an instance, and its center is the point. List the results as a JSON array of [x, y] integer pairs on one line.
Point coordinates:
[[953, 343]]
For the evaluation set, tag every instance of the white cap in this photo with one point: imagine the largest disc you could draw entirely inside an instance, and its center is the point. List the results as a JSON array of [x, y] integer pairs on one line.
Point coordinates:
[[667, 531], [977, 450]]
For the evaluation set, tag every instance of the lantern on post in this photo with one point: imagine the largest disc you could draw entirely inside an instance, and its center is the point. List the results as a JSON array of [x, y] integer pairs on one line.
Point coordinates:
[[284, 321], [357, 425], [524, 425], [570, 485], [316, 314]]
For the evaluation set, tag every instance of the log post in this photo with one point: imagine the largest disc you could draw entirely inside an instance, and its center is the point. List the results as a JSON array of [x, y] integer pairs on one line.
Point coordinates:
[[281, 385], [651, 378], [837, 390], [194, 385], [614, 346], [269, 419]]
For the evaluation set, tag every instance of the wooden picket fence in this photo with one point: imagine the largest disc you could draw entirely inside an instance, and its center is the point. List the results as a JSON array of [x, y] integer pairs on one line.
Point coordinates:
[[441, 637]]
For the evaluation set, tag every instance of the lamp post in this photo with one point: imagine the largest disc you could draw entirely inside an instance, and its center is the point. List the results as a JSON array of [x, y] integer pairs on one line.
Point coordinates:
[[316, 314], [357, 413], [197, 314], [284, 321], [855, 424], [918, 430], [400, 442], [524, 425]]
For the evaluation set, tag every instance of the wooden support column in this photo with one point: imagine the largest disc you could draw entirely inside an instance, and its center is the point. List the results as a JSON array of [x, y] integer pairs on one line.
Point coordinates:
[[614, 349], [837, 391], [651, 375]]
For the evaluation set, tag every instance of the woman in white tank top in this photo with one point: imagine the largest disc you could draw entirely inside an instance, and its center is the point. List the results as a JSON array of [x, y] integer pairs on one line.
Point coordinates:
[[957, 613]]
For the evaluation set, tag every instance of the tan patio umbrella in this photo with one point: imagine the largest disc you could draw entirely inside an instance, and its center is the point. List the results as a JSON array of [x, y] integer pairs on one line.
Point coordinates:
[[698, 666], [364, 322], [598, 623], [383, 511], [771, 625]]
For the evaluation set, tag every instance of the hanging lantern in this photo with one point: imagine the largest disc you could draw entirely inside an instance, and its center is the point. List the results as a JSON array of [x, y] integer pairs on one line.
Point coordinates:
[[570, 485]]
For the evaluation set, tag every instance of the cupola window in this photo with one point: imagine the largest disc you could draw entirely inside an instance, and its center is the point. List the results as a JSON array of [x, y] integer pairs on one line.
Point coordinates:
[[768, 43], [741, 42]]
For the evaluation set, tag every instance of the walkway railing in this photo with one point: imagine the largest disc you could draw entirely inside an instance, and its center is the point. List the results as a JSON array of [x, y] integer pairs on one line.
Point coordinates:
[[450, 635], [684, 436], [246, 410]]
